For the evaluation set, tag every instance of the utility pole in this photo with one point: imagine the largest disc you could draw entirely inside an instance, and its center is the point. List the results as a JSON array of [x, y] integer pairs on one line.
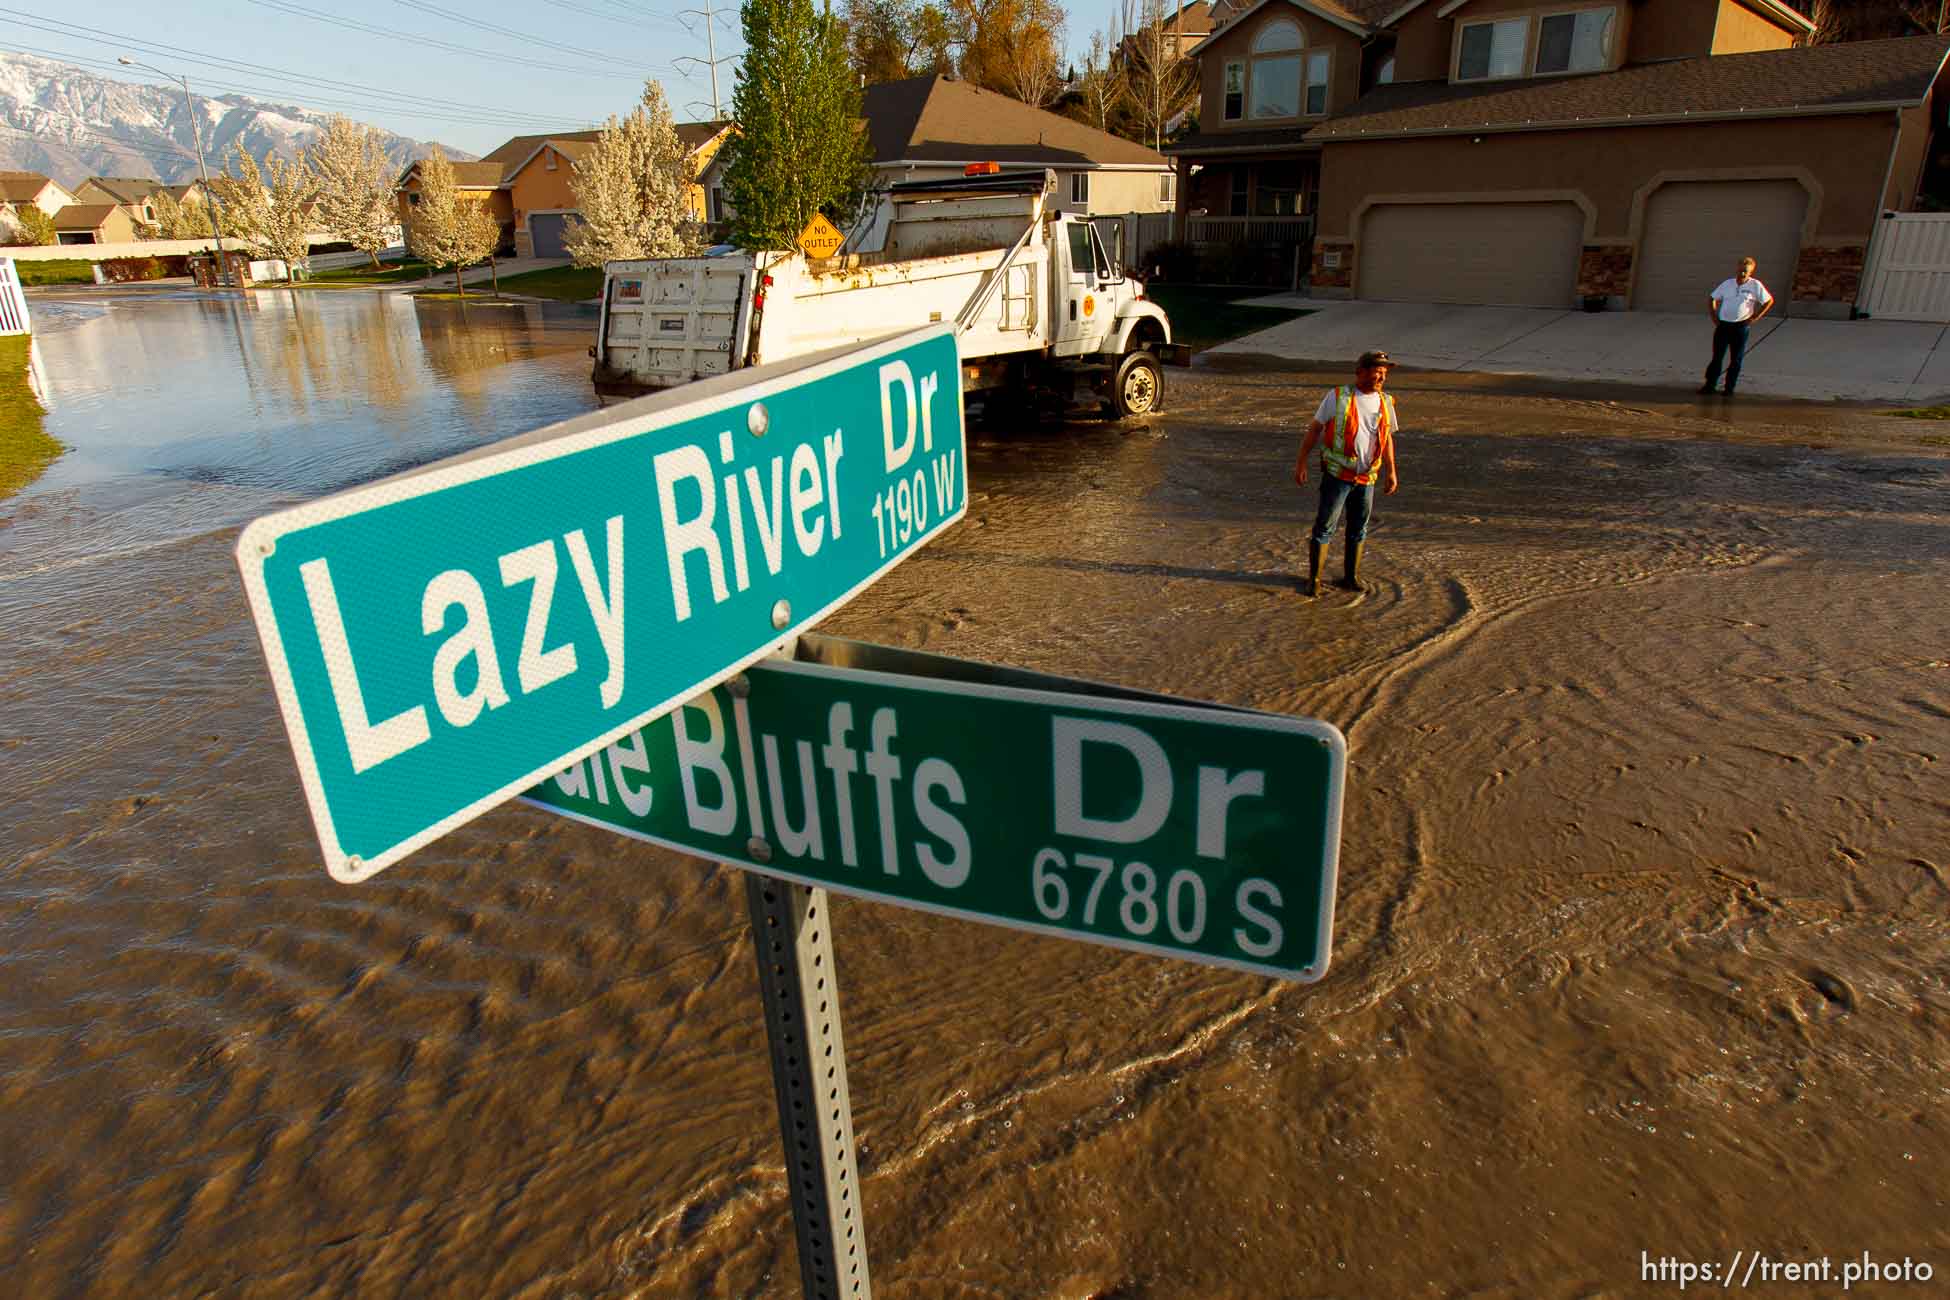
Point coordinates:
[[202, 170]]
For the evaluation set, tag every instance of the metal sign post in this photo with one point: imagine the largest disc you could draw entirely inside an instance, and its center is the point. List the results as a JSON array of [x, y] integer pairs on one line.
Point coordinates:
[[792, 932]]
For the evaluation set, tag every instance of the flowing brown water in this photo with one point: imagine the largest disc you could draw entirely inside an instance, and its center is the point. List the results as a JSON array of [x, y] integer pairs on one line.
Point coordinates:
[[1641, 940]]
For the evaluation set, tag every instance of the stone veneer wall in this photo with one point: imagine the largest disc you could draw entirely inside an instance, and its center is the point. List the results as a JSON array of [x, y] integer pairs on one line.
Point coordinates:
[[1829, 273], [1605, 270], [1333, 281]]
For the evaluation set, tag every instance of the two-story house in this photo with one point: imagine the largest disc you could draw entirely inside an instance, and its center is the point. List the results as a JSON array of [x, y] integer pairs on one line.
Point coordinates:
[[1527, 153]]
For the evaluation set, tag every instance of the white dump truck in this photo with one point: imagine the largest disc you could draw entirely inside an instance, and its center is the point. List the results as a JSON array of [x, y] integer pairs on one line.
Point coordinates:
[[1047, 315]]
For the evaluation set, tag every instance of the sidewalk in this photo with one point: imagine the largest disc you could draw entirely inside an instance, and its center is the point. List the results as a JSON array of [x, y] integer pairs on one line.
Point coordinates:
[[1899, 363], [481, 274]]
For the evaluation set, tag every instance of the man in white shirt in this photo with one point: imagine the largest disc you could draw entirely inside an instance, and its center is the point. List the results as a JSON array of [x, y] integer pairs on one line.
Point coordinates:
[[1739, 302], [1355, 430]]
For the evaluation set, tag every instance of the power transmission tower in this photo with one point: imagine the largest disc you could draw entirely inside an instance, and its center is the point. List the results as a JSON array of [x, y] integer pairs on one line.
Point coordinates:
[[710, 14]]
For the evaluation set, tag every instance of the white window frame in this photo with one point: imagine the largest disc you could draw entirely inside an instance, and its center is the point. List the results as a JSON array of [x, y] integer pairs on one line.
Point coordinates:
[[1607, 62], [1167, 189], [1533, 41], [548, 160], [1255, 58], [1529, 22], [1080, 188], [1307, 82], [1225, 94]]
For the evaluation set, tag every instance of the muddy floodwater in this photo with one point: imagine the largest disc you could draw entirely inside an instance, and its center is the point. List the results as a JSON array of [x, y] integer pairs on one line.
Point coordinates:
[[1641, 946]]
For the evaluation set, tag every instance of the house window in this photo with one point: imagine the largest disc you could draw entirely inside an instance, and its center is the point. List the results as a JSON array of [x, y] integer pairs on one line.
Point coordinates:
[[548, 160], [1577, 42], [1167, 189], [1275, 80], [1080, 188], [1317, 83], [1280, 191], [717, 203], [1492, 49], [1237, 207], [1385, 74], [1235, 91]]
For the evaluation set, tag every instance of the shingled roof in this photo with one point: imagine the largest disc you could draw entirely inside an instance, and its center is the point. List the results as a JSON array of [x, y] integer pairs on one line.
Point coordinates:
[[84, 216], [935, 119], [1851, 77], [21, 187]]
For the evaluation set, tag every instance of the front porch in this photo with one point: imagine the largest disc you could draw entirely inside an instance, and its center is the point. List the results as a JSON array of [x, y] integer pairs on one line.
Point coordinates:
[[1248, 214]]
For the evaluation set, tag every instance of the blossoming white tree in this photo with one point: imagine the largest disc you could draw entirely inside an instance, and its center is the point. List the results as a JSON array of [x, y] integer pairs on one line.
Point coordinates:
[[355, 185], [633, 189], [273, 219], [447, 229]]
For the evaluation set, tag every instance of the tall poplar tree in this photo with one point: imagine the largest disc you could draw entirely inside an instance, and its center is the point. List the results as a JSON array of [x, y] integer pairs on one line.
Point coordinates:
[[801, 147]]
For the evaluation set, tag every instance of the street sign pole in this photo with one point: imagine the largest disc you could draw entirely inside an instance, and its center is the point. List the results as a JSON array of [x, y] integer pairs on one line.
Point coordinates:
[[792, 934]]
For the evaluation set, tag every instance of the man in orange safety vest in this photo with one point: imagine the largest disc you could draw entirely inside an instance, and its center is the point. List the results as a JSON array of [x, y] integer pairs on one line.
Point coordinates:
[[1355, 428]]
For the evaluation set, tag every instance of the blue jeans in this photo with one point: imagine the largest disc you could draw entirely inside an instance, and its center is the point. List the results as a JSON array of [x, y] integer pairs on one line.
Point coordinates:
[[1730, 342], [1336, 493]]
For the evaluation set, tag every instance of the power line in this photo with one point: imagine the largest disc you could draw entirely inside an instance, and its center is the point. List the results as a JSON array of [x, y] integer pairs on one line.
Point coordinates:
[[394, 34], [97, 36], [523, 37], [283, 92], [633, 20]]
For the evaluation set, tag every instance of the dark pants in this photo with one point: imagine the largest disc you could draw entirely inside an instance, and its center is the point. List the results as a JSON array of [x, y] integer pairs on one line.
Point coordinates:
[[1730, 344], [1336, 494]]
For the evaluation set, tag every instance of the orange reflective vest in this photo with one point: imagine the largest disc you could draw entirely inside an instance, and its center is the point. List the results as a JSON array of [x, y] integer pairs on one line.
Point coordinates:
[[1337, 453]]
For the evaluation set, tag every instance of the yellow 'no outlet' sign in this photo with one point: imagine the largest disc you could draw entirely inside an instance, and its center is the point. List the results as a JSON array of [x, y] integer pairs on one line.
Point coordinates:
[[820, 238]]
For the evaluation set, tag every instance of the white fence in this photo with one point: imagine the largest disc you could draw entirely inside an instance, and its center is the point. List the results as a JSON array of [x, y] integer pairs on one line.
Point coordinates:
[[13, 303], [1908, 276], [340, 261]]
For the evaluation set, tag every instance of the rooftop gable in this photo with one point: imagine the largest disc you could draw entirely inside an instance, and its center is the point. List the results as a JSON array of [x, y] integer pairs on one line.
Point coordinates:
[[126, 189], [936, 119], [84, 216], [1808, 81], [1347, 16]]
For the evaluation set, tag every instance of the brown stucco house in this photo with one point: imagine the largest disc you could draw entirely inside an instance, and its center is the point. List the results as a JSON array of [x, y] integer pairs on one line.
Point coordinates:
[[1504, 151]]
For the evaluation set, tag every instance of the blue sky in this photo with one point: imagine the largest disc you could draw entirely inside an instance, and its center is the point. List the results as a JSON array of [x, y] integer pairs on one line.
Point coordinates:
[[508, 67]]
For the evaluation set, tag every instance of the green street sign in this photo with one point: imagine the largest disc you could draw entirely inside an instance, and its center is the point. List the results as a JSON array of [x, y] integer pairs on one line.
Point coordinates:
[[1039, 803], [443, 639]]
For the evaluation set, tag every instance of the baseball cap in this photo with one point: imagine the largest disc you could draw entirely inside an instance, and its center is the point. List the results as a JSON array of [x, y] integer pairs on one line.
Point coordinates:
[[1373, 357]]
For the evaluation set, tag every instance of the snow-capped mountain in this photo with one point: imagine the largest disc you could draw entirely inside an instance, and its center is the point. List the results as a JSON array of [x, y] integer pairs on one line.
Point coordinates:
[[70, 123]]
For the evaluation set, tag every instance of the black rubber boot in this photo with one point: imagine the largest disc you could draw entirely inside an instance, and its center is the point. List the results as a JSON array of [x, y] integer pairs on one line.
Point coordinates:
[[1316, 556], [1351, 572]]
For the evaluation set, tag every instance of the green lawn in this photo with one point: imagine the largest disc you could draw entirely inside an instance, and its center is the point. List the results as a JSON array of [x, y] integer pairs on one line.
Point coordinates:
[[566, 283], [1202, 316], [65, 270], [25, 448], [389, 273], [1922, 413]]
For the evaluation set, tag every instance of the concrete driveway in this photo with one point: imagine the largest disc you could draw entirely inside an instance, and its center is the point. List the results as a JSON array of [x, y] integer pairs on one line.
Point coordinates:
[[1900, 363]]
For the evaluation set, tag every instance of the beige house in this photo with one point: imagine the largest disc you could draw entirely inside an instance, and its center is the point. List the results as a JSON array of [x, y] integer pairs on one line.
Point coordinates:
[[97, 223], [922, 128], [1505, 151], [20, 188], [137, 193]]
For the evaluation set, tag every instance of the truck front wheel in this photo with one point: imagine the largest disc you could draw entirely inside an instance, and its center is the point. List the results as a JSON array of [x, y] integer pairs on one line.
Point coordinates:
[[1139, 386]]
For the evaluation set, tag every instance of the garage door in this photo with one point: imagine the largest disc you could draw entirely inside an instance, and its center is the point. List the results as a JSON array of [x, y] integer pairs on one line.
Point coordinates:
[[1696, 230], [548, 230], [1512, 254]]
